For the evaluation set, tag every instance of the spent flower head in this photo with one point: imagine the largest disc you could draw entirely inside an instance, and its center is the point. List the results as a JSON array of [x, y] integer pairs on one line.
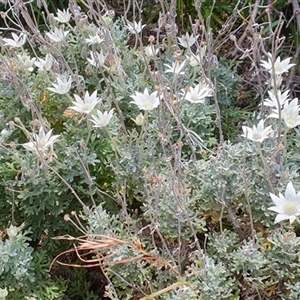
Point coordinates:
[[41, 142], [278, 67], [102, 119], [63, 16], [146, 101], [287, 207], [62, 85], [85, 105], [257, 134], [17, 41]]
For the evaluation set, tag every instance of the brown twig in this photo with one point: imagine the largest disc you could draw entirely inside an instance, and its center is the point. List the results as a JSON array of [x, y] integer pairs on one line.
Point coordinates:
[[296, 12], [248, 28]]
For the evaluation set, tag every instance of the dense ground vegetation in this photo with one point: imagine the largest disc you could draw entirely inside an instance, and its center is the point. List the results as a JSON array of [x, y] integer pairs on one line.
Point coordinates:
[[149, 150]]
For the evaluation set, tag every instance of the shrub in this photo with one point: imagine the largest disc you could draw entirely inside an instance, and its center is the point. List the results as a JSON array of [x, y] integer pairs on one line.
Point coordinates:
[[121, 149]]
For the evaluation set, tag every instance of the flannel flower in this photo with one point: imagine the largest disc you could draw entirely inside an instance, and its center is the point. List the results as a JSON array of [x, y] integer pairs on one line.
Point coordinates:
[[187, 41], [278, 67], [41, 142], [26, 62], [63, 16], [257, 134], [272, 100], [287, 207], [197, 59], [44, 64], [198, 93], [145, 101], [135, 28], [97, 59], [85, 105], [57, 35], [93, 40], [151, 51], [17, 41], [176, 68], [102, 119], [290, 113], [62, 86]]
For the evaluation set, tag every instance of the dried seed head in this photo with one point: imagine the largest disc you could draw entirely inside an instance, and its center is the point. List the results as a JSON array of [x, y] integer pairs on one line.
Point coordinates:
[[67, 217], [280, 147]]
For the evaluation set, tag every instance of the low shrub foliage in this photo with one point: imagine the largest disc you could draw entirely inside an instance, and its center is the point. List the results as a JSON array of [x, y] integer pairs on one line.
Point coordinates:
[[146, 158]]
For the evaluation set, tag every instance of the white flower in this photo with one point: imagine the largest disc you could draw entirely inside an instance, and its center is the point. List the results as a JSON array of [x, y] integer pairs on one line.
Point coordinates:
[[58, 35], [93, 40], [62, 87], [86, 105], [26, 62], [150, 51], [145, 101], [44, 64], [272, 100], [135, 27], [187, 41], [257, 134], [41, 142], [197, 59], [97, 59], [275, 81], [290, 113], [279, 67], [63, 16], [176, 68], [17, 41], [287, 206], [198, 93], [102, 119]]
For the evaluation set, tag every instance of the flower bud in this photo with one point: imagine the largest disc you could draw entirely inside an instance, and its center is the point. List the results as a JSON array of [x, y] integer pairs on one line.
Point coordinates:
[[139, 120], [12, 232], [3, 293]]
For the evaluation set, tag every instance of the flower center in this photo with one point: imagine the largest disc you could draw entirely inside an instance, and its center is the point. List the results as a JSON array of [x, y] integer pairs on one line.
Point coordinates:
[[195, 96], [86, 107], [290, 208], [256, 136], [147, 105], [278, 69], [41, 144], [290, 123]]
